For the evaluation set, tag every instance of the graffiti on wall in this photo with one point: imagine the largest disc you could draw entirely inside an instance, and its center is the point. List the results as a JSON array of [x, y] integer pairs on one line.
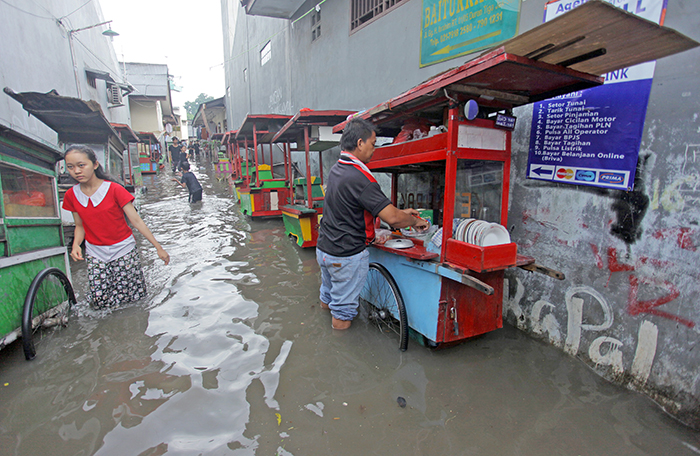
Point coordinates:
[[277, 104], [683, 193], [603, 350]]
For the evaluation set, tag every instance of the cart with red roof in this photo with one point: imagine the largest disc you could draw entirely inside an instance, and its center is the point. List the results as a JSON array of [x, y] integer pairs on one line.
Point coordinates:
[[313, 130]]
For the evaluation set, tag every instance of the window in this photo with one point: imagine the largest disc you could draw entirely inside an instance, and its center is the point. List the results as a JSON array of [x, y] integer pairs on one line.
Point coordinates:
[[316, 25], [364, 11], [266, 53], [479, 190], [26, 193]]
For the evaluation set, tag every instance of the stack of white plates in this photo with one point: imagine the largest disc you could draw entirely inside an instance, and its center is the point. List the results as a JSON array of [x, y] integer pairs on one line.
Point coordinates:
[[481, 232]]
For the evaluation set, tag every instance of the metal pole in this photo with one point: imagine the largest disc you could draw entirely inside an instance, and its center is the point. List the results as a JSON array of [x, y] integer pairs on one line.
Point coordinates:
[[255, 148], [309, 197]]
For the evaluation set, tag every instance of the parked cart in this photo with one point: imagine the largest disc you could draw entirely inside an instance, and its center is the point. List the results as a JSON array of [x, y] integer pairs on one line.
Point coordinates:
[[264, 193], [311, 130], [452, 158], [34, 272], [149, 152]]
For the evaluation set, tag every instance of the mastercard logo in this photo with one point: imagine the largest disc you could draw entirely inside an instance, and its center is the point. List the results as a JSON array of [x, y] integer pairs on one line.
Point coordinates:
[[565, 173]]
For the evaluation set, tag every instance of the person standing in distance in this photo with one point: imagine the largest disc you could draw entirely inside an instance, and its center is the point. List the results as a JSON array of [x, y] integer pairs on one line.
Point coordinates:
[[353, 200], [176, 153], [99, 208]]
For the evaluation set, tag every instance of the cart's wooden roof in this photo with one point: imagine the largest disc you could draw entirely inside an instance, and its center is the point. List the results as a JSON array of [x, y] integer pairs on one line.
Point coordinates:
[[129, 134], [497, 80], [561, 56], [266, 125], [626, 39], [295, 126], [229, 136], [147, 136]]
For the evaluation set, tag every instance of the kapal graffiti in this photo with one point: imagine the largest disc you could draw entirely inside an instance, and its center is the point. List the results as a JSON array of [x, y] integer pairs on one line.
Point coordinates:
[[602, 351]]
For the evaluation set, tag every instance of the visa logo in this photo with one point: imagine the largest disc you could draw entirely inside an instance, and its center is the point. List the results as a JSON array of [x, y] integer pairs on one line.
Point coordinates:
[[585, 175], [611, 178]]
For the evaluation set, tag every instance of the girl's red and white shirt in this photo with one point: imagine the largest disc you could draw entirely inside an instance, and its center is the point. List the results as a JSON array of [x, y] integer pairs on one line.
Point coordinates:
[[107, 235]]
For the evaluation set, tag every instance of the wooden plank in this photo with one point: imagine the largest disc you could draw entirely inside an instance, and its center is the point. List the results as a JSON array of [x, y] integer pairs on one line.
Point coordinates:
[[543, 270], [627, 39]]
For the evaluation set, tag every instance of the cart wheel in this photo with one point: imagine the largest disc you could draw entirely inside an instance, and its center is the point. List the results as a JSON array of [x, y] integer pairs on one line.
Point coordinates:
[[48, 302], [381, 303]]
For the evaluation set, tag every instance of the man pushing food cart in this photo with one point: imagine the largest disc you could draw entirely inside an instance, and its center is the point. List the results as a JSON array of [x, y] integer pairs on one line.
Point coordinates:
[[352, 203]]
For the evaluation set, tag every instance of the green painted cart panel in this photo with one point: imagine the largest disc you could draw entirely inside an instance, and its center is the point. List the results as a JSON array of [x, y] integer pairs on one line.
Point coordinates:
[[246, 203], [293, 227], [27, 238]]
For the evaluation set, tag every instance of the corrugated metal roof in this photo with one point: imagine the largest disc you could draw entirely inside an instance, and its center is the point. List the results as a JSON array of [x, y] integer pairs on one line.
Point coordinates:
[[75, 120]]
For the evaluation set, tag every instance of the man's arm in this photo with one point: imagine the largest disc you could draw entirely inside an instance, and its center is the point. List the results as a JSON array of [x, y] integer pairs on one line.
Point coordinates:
[[398, 218]]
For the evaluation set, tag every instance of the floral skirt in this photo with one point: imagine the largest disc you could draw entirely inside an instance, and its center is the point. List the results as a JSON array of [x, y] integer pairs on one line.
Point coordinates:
[[116, 282]]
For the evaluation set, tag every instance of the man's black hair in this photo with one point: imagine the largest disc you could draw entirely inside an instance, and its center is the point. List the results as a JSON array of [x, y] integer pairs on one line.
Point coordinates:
[[185, 166], [355, 130]]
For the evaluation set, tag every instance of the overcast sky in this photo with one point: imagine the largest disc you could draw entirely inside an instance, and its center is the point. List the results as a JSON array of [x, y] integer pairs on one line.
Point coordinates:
[[183, 34]]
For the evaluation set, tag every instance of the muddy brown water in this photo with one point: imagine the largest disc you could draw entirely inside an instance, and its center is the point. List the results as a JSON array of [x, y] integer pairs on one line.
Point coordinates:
[[230, 354]]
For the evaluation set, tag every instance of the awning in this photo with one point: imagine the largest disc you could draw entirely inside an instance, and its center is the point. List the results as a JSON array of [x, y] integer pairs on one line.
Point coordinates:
[[293, 130], [266, 125], [147, 136], [99, 74], [284, 9], [75, 120], [105, 76], [127, 134]]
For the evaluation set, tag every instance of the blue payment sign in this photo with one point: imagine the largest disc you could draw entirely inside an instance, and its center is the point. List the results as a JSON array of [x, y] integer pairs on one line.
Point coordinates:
[[592, 137]]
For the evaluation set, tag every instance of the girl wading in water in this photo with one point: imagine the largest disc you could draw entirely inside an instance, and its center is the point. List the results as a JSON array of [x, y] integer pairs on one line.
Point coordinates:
[[99, 206]]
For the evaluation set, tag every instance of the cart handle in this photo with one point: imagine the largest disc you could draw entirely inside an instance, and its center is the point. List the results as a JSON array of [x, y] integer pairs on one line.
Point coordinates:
[[447, 271], [532, 267]]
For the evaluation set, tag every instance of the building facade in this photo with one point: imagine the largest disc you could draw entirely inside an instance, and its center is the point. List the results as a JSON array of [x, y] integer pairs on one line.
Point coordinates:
[[628, 306]]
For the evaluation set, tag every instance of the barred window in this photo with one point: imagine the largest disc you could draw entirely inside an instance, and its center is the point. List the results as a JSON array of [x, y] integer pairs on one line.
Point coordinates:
[[316, 25], [266, 53], [364, 11]]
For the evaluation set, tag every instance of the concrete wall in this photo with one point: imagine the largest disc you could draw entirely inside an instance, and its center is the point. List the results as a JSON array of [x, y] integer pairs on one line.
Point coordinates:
[[628, 306], [146, 115], [36, 57]]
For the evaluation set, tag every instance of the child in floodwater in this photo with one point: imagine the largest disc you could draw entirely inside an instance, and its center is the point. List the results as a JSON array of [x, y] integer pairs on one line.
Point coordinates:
[[189, 180], [98, 206]]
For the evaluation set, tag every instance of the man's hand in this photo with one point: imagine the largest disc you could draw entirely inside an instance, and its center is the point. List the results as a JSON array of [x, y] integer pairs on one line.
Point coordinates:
[[421, 224]]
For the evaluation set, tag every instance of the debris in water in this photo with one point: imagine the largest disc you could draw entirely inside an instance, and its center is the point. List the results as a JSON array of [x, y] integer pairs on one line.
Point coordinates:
[[401, 401], [279, 418]]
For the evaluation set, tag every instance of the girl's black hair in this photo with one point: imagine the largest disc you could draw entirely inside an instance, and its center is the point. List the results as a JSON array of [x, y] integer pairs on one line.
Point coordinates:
[[99, 171]]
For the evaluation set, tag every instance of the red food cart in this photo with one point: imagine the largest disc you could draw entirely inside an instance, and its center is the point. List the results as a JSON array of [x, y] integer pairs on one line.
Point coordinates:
[[149, 152], [263, 194], [453, 147]]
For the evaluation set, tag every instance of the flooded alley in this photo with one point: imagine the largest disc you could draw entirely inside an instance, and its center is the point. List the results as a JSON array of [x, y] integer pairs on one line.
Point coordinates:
[[231, 354]]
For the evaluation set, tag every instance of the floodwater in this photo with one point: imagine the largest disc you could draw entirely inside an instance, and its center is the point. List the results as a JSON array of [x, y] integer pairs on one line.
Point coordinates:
[[230, 354]]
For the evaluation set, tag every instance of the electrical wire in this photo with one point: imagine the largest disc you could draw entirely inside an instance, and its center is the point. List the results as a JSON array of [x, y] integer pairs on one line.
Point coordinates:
[[79, 8], [26, 12], [111, 70]]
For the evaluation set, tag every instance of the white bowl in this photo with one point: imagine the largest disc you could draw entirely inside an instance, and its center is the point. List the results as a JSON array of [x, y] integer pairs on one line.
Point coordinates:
[[494, 234]]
